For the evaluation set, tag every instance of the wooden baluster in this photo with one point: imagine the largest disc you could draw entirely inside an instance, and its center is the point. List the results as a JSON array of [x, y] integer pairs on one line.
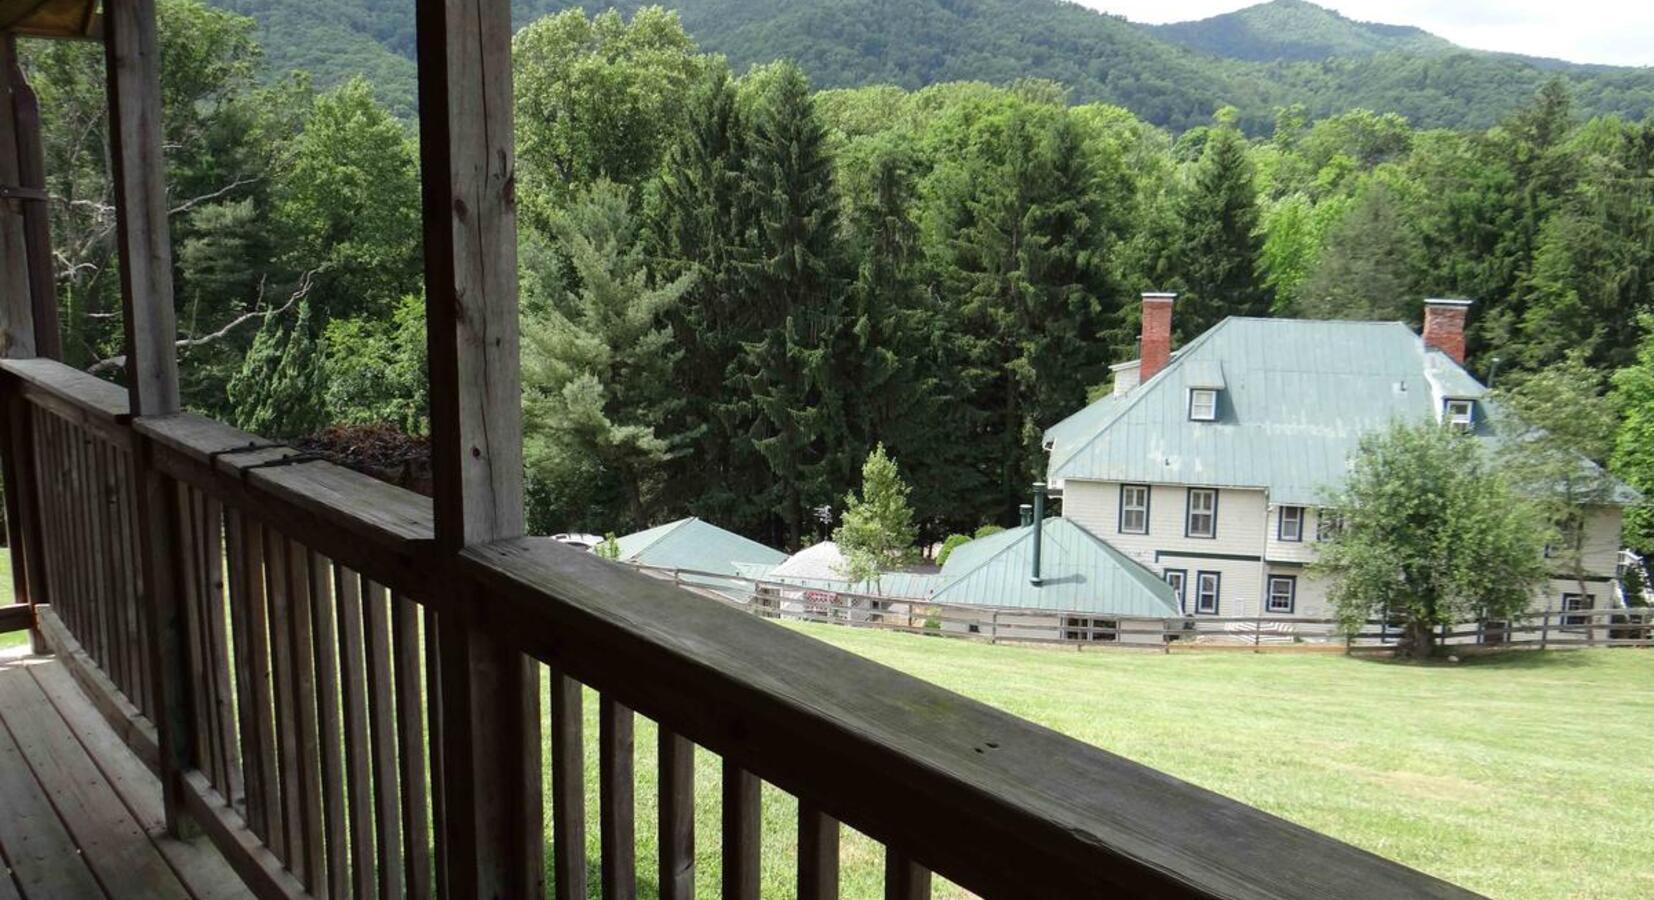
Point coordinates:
[[124, 599], [264, 807], [347, 587], [218, 662], [904, 879], [617, 804], [382, 713], [324, 618], [289, 818], [303, 660], [433, 706], [189, 548], [104, 539], [246, 719], [677, 816], [568, 788], [410, 707], [818, 840], [743, 826]]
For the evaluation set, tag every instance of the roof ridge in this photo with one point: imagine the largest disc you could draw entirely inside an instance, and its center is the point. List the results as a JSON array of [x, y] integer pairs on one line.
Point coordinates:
[[665, 530], [1136, 395], [1026, 530], [1121, 557]]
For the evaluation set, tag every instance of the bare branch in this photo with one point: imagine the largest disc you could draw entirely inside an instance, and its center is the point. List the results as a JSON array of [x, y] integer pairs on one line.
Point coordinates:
[[193, 202], [305, 282]]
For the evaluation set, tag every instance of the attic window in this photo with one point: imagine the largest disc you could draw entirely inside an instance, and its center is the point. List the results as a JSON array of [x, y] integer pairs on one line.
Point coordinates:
[[1203, 405], [1459, 414]]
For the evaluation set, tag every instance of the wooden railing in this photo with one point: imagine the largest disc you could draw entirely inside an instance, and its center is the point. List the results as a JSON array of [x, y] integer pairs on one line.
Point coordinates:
[[314, 705]]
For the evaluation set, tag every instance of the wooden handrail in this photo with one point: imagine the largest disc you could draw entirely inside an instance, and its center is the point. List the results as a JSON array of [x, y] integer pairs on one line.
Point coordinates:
[[999, 805]]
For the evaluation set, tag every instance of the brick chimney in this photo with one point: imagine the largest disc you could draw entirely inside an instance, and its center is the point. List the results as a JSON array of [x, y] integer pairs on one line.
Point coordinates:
[[1157, 334], [1444, 326]]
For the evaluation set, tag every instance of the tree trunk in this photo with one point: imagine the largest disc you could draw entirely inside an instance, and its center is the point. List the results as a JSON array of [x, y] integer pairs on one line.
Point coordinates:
[[1418, 640]]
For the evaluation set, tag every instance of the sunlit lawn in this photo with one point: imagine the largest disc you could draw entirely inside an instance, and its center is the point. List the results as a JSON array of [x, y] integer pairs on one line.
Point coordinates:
[[13, 638], [1525, 775]]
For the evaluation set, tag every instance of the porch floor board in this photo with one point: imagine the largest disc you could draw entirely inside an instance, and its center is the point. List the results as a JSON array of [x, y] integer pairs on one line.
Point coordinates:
[[80, 815]]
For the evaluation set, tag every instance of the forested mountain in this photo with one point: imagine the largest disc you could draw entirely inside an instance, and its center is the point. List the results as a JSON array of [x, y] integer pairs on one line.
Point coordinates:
[[1296, 30], [1274, 55]]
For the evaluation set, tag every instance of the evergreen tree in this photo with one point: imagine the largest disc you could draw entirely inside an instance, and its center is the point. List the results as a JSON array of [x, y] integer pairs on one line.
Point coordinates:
[[279, 392], [1369, 269], [877, 531], [786, 372], [1633, 458], [1215, 264], [597, 366], [701, 224]]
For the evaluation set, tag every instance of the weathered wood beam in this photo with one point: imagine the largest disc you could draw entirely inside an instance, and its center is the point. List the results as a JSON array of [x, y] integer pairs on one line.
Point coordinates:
[[133, 68], [491, 833], [37, 229], [16, 305]]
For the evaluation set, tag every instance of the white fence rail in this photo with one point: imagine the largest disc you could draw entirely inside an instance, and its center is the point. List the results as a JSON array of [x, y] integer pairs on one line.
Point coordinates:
[[1624, 627]]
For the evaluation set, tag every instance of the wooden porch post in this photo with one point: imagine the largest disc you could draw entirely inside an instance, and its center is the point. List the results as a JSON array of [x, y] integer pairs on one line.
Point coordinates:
[[490, 707], [37, 230], [17, 340], [133, 67]]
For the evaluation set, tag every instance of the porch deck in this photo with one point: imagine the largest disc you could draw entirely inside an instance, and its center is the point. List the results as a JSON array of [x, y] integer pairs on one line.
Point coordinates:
[[82, 815]]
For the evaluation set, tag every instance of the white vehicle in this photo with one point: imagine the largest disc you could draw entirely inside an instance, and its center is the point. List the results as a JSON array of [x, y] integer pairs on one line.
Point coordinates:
[[580, 540]]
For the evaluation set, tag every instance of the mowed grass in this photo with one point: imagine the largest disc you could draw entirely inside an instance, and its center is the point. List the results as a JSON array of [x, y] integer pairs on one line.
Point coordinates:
[[11, 638], [1520, 776]]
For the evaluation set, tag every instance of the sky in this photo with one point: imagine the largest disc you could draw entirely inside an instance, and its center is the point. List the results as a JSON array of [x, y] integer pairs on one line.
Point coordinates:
[[1617, 32]]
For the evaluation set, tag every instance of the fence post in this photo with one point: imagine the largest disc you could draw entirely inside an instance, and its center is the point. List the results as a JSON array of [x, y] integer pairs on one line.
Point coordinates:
[[993, 628], [1544, 629]]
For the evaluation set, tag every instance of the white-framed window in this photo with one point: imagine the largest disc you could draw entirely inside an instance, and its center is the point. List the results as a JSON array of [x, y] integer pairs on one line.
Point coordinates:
[[1134, 509], [1327, 524], [1577, 603], [1290, 526], [1179, 580], [1203, 404], [1460, 414], [1283, 593], [1208, 588], [1202, 518]]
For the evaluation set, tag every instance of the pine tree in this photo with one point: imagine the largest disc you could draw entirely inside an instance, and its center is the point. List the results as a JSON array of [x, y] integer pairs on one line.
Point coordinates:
[[1216, 261], [280, 391], [1369, 269], [597, 362], [877, 531], [701, 224], [786, 372]]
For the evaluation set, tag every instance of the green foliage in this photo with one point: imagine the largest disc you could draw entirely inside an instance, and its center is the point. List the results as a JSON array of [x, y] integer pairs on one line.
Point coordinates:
[[1633, 455], [1369, 268], [348, 203], [597, 366], [877, 531], [279, 391], [1433, 534], [598, 98], [609, 548], [1216, 261], [986, 530], [375, 370]]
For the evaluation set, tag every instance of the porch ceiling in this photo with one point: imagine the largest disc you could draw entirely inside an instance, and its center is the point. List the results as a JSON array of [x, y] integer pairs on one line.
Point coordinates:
[[51, 18]]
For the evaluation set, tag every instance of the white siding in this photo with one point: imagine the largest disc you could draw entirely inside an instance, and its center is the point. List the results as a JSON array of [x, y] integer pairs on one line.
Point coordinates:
[[1242, 514], [1276, 550]]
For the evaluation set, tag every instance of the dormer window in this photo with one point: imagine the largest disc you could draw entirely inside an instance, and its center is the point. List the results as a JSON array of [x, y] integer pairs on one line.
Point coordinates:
[[1203, 405], [1459, 414]]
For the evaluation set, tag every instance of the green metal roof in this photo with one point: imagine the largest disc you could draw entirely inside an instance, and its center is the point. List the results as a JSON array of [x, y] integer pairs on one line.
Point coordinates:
[[1298, 396], [697, 545], [1079, 573]]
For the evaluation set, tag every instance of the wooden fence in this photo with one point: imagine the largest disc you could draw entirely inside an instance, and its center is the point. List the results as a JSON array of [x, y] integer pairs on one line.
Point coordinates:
[[815, 602]]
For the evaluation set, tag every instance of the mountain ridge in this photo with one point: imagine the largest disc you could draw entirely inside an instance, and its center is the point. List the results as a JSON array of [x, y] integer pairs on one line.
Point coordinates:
[[1098, 57]]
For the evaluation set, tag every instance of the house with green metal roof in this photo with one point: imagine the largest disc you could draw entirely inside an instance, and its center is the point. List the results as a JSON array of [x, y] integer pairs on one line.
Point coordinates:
[[1209, 465]]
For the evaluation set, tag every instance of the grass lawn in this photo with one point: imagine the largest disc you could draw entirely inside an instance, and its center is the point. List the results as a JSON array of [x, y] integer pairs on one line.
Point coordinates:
[[1518, 776], [12, 638]]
